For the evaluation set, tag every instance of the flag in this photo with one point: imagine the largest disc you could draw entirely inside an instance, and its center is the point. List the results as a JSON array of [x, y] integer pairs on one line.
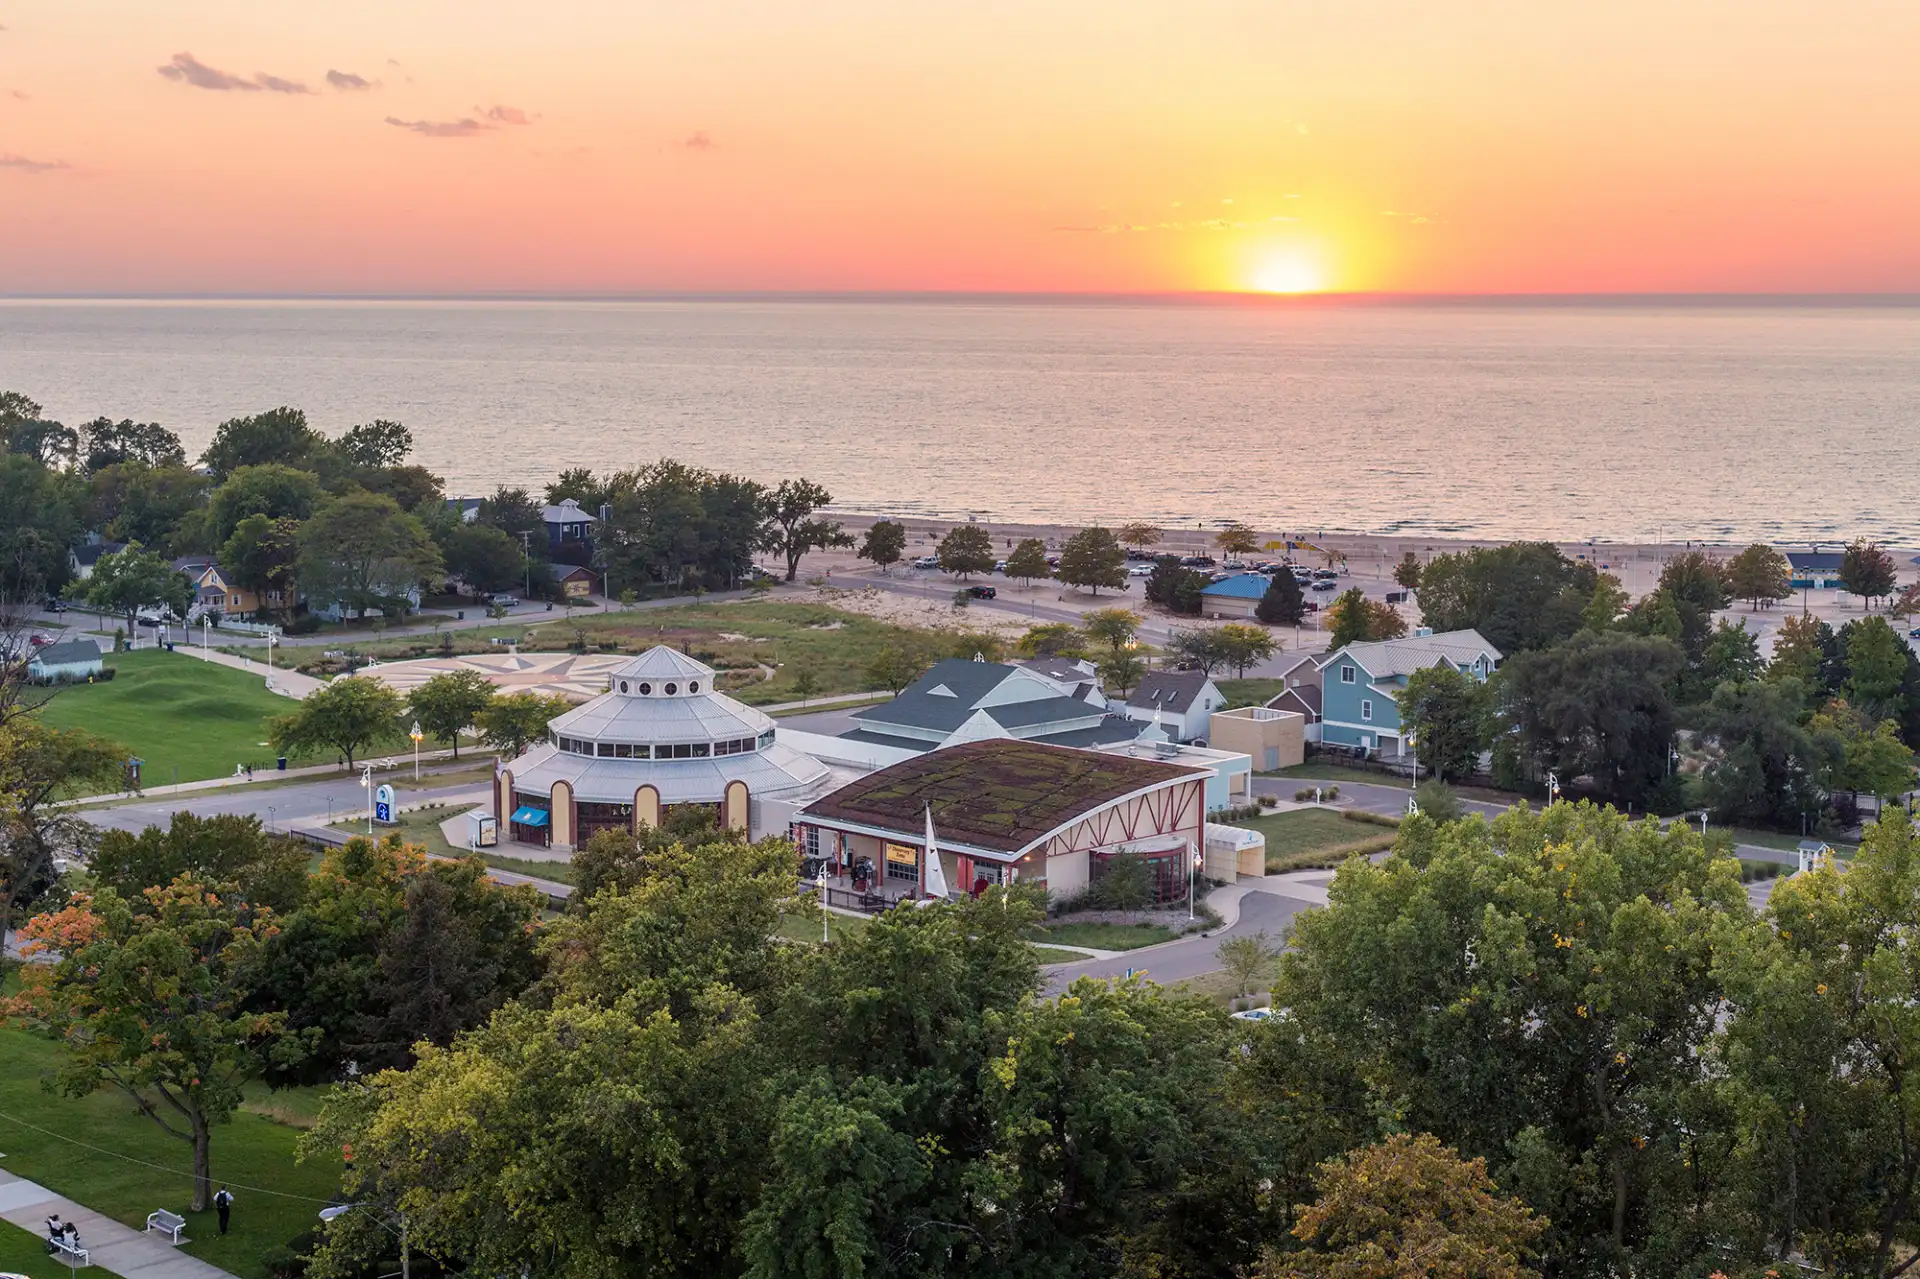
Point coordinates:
[[933, 880]]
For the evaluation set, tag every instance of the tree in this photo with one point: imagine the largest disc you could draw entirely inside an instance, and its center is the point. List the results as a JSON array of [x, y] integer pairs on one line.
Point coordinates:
[[1520, 596], [1857, 756], [513, 722], [161, 507], [448, 704], [1407, 572], [1199, 647], [1867, 570], [1759, 574], [1117, 628], [1236, 539], [1241, 645], [1408, 1208], [1732, 653], [279, 435], [27, 434], [884, 544], [1121, 669], [375, 446], [1175, 588], [1605, 606], [40, 517], [1599, 705], [349, 715], [269, 489], [1448, 715], [105, 442], [1092, 558], [362, 552], [484, 558], [793, 528], [1281, 604], [41, 766], [1763, 774], [129, 580], [966, 550], [1052, 639], [226, 848], [1355, 619], [1029, 561], [1247, 960], [1139, 536], [263, 556], [1800, 652], [149, 1000], [1876, 667], [894, 667]]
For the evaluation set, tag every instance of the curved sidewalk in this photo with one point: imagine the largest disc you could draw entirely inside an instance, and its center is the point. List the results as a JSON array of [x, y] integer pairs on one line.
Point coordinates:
[[110, 1245]]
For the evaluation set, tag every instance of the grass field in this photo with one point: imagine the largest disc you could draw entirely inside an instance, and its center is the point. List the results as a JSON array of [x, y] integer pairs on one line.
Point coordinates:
[[253, 1153], [175, 712], [23, 1253], [741, 639], [1104, 936], [801, 928], [1314, 838]]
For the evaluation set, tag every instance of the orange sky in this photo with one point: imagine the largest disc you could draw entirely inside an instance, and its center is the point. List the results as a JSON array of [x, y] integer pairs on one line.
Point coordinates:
[[1477, 145]]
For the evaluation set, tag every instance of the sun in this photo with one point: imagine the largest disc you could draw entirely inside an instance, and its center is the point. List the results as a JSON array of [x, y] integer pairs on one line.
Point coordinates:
[[1289, 273]]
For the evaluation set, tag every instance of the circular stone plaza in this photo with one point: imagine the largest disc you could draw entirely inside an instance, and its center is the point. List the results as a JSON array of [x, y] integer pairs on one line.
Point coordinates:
[[658, 737]]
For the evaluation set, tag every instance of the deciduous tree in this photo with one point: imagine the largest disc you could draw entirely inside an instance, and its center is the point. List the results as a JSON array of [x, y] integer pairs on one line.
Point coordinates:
[[1867, 570], [1759, 575], [1093, 558], [1449, 715], [1138, 535], [263, 556], [1236, 539], [965, 550], [884, 544], [268, 489], [1029, 561], [362, 552], [1052, 639], [450, 703], [1242, 645], [794, 526], [513, 722], [1117, 628], [349, 715], [279, 435], [1598, 704], [129, 580], [225, 848], [1876, 667], [1353, 619], [105, 442], [1519, 596]]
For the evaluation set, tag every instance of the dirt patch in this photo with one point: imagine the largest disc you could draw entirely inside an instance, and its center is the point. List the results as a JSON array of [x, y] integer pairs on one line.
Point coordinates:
[[919, 612]]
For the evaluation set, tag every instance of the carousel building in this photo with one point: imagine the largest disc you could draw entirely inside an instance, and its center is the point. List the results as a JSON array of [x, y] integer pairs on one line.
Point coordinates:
[[660, 738]]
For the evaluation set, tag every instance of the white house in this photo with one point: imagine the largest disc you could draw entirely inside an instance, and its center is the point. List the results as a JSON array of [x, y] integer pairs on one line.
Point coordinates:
[[1182, 701], [65, 663]]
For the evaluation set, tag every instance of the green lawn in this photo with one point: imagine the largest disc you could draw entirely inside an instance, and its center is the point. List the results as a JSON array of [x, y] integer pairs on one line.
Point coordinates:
[[1250, 692], [175, 712], [802, 928], [1054, 955], [1104, 936], [250, 1151], [1311, 838]]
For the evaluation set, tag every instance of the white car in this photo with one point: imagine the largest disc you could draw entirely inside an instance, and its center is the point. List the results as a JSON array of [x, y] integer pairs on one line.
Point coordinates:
[[1139, 570], [1254, 1014]]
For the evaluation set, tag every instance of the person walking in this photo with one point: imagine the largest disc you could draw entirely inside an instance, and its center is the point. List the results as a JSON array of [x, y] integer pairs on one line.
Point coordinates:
[[223, 1204]]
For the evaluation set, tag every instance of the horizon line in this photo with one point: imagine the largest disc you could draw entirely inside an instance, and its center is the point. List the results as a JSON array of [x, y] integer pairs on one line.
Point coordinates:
[[1057, 297]]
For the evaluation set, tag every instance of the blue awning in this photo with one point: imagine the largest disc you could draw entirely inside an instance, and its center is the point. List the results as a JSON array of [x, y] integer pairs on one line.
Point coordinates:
[[529, 817]]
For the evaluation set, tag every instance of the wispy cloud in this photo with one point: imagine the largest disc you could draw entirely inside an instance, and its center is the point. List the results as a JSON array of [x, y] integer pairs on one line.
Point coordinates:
[[465, 127], [348, 82], [24, 164], [1202, 224], [20, 94], [700, 140], [1412, 219], [504, 115], [187, 69]]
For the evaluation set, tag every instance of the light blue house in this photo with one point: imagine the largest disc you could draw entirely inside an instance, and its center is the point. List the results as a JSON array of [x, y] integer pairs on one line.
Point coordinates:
[[1360, 684], [1235, 596], [68, 662]]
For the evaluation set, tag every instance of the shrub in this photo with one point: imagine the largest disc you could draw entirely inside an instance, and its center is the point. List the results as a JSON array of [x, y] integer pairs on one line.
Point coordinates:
[[1306, 794], [1269, 801], [1126, 883], [1437, 800]]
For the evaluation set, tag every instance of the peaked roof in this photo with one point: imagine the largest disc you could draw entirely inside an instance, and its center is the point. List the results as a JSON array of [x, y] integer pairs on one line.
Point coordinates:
[[90, 552], [66, 653], [1171, 691], [568, 511], [950, 694], [999, 795], [661, 662], [1822, 561], [1241, 586], [1383, 659]]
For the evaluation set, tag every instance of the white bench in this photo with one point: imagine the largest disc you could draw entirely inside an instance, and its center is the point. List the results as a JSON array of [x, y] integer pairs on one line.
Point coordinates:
[[168, 1223], [68, 1253]]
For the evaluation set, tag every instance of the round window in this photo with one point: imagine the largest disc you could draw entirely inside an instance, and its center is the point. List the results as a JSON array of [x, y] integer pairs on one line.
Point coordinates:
[[623, 686], [670, 689], [646, 690], [693, 686]]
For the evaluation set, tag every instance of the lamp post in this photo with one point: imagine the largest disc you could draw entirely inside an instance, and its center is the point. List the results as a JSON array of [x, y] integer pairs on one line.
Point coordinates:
[[270, 812], [271, 634], [366, 784], [415, 735], [1553, 787], [339, 1210], [1193, 875]]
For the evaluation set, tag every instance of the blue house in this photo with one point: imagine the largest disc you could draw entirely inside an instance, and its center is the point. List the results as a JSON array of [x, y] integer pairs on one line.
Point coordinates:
[[68, 662], [1814, 570], [1360, 684], [1235, 596], [568, 525]]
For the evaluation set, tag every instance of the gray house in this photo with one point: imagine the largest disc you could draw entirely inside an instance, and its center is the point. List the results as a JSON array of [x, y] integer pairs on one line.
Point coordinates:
[[65, 663], [970, 701]]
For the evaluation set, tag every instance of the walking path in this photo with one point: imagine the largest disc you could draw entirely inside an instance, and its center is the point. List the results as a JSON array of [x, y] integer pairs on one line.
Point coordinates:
[[279, 680], [110, 1245]]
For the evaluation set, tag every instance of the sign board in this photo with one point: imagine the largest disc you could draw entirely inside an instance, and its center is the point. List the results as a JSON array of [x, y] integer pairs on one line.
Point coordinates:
[[482, 830], [383, 805]]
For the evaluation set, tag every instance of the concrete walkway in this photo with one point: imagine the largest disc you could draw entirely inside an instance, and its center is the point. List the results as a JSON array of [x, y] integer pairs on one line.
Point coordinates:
[[110, 1246], [279, 680]]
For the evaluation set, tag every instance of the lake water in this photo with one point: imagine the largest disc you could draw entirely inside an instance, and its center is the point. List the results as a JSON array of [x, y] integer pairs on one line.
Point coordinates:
[[1615, 420]]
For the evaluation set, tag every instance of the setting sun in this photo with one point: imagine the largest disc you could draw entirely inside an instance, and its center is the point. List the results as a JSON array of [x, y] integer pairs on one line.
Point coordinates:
[[1289, 273]]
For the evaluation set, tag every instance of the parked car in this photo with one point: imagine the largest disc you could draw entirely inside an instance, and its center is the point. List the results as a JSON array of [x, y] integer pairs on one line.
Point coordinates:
[[1324, 575], [1140, 570], [1135, 553], [927, 561], [1196, 561], [982, 592], [55, 604], [1914, 633], [38, 640], [503, 601], [1308, 606], [1326, 586]]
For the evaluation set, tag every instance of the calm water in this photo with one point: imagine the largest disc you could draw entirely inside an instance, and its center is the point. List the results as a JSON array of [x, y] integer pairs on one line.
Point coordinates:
[[1612, 421]]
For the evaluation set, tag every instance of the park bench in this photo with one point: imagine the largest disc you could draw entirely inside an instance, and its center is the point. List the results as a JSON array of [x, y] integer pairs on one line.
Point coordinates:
[[168, 1223], [71, 1255]]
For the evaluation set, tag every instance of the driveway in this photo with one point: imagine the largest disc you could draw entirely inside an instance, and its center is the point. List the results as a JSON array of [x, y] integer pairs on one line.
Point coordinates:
[[1267, 905]]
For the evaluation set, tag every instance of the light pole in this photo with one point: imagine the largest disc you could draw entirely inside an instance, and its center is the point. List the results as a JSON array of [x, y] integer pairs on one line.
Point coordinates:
[[366, 784], [1553, 787], [1193, 875], [271, 633], [415, 735], [270, 812], [338, 1210]]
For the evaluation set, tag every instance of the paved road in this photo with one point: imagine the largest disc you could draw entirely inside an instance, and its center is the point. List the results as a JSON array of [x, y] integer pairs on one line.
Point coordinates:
[[320, 801], [1267, 907]]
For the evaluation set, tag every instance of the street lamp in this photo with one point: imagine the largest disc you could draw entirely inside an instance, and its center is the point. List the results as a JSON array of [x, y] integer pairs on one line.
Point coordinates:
[[1193, 875], [332, 1211], [1553, 787], [366, 784], [270, 812], [415, 735]]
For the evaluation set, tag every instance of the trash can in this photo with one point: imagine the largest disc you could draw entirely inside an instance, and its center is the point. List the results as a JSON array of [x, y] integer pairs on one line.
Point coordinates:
[[282, 765], [169, 646], [460, 615]]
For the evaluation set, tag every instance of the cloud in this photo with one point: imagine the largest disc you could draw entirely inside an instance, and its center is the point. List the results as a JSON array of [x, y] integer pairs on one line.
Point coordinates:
[[504, 115], [465, 127], [22, 164], [700, 140], [348, 82], [20, 94], [187, 69]]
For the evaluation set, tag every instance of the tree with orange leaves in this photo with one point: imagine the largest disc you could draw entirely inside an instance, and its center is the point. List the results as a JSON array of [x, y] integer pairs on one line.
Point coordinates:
[[149, 997]]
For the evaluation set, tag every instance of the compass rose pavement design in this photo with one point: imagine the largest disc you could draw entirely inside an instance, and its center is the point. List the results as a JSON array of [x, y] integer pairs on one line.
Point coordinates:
[[574, 676]]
